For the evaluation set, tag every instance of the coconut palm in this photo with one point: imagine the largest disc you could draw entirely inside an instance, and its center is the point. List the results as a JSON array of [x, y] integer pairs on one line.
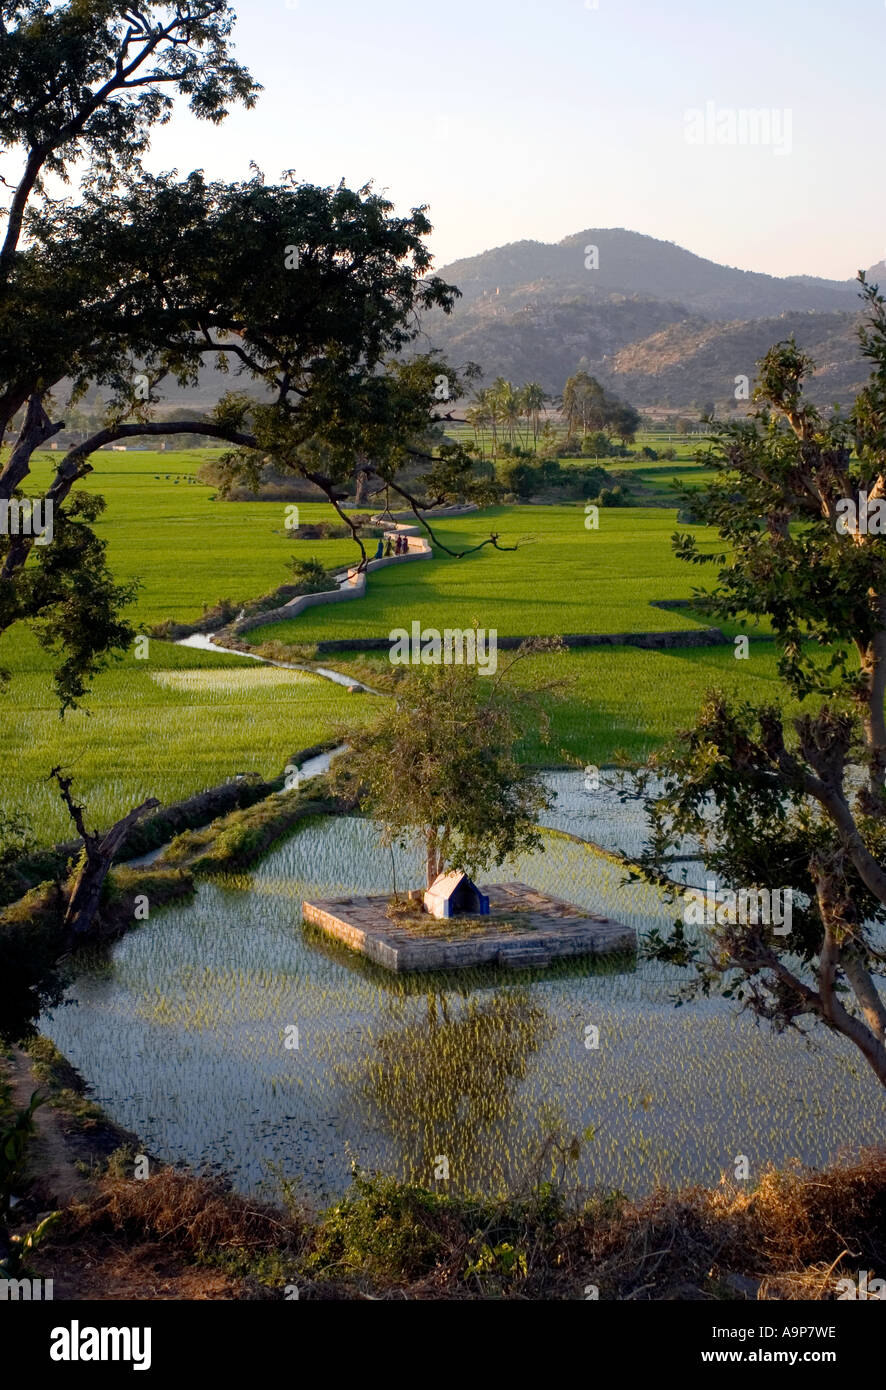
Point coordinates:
[[534, 399]]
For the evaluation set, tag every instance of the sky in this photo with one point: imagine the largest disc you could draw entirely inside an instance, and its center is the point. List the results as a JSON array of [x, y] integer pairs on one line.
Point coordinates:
[[535, 119]]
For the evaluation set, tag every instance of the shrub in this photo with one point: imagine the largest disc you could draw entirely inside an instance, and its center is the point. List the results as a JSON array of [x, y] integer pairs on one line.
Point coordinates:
[[310, 576]]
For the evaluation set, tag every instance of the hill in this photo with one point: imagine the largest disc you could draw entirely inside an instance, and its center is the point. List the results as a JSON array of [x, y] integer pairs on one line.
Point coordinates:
[[654, 322]]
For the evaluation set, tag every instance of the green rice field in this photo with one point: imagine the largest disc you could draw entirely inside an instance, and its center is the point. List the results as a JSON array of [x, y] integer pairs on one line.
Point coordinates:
[[183, 720], [182, 1028]]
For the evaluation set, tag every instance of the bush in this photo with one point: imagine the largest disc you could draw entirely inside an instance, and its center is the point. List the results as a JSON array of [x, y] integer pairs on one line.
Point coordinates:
[[570, 449], [613, 497], [310, 576], [519, 477]]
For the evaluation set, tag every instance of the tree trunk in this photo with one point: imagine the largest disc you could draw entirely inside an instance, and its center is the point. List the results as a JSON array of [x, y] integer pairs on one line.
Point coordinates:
[[431, 869], [830, 901], [36, 429], [873, 667], [86, 891], [361, 491]]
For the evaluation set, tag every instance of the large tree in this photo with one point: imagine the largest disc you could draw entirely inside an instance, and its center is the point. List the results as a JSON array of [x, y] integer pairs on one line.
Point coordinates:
[[441, 763], [796, 804], [81, 86], [309, 293]]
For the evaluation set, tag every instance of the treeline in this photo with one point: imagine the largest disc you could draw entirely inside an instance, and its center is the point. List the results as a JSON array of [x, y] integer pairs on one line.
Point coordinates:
[[512, 418]]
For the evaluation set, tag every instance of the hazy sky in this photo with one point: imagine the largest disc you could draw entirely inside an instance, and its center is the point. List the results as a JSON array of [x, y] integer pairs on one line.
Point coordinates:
[[538, 118]]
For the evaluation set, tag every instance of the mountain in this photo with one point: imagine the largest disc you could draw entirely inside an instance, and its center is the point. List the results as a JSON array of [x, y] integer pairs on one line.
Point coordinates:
[[630, 263], [651, 320], [696, 362]]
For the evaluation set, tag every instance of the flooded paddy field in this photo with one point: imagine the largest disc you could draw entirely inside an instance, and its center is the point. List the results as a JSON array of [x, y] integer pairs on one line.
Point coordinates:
[[182, 1029]]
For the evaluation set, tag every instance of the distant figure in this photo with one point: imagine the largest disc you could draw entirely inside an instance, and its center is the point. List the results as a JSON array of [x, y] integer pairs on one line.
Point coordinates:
[[404, 544], [380, 549], [389, 549]]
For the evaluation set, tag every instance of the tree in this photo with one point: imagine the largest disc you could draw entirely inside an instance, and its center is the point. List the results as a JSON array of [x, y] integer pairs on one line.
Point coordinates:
[[800, 805], [507, 406], [442, 763], [309, 293], [483, 414], [534, 399], [583, 404], [82, 84], [622, 419]]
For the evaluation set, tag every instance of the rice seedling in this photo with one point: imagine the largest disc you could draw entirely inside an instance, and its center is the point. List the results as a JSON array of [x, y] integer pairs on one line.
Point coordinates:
[[183, 1033]]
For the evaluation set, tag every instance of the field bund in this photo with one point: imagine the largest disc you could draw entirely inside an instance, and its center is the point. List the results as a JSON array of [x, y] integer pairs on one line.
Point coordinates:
[[525, 929]]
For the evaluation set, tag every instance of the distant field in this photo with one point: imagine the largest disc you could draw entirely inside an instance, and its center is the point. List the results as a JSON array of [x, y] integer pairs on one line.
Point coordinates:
[[625, 699], [185, 720], [652, 482], [562, 578], [170, 726], [162, 528]]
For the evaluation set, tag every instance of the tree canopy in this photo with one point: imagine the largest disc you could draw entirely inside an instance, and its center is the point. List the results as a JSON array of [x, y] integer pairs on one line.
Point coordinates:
[[307, 294], [442, 764], [800, 804]]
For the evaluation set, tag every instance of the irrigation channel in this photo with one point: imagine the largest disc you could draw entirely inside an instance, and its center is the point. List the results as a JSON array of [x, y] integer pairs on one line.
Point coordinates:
[[206, 644], [181, 1030]]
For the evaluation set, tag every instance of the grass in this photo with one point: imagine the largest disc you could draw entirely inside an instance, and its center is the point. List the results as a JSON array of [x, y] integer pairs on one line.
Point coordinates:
[[186, 720], [563, 578], [178, 723], [412, 916], [163, 528], [617, 699]]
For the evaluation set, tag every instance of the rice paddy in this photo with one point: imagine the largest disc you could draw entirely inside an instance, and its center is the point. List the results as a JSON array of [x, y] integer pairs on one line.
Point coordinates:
[[169, 726], [182, 1026], [184, 720], [183, 1029]]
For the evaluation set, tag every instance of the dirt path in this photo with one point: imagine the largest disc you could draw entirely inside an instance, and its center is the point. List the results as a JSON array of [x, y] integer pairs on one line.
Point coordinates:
[[98, 1266], [54, 1152]]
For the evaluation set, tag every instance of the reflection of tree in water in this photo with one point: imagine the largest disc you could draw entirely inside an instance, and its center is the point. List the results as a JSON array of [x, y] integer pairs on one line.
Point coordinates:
[[444, 1086]]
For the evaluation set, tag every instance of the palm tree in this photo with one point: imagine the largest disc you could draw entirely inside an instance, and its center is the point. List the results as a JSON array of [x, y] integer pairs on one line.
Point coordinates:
[[480, 417], [483, 415], [509, 405], [534, 399]]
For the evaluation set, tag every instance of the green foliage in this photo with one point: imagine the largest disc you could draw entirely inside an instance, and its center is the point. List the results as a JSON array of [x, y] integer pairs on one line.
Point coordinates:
[[394, 1232], [804, 808], [443, 764], [16, 840], [381, 1228], [14, 1141], [33, 978], [591, 410], [613, 497], [311, 576]]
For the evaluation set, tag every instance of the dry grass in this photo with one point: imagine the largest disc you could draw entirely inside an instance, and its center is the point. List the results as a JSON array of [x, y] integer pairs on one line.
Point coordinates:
[[412, 915], [196, 1220], [792, 1236]]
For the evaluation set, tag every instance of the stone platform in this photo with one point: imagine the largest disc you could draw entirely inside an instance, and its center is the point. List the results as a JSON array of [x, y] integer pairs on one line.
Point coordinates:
[[525, 929]]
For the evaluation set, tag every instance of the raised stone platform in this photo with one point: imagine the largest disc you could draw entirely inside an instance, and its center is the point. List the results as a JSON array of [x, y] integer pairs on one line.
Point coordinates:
[[525, 928]]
